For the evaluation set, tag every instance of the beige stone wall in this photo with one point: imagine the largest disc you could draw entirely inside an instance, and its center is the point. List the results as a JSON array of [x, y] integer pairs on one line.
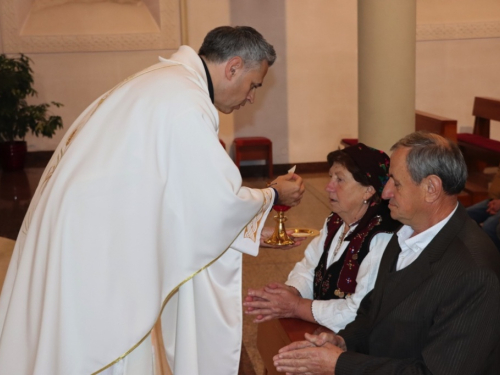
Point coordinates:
[[322, 76], [452, 71], [309, 99], [77, 67], [457, 11], [77, 79]]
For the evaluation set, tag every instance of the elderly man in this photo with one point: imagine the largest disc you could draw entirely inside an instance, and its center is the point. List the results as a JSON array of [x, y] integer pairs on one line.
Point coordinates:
[[435, 307], [141, 214]]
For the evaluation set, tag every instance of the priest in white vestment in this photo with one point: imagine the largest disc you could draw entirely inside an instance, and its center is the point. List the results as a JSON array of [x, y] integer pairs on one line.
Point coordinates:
[[139, 214]]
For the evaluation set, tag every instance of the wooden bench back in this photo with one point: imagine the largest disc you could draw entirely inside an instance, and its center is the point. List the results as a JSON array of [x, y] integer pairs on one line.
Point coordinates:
[[443, 126], [436, 124], [485, 109]]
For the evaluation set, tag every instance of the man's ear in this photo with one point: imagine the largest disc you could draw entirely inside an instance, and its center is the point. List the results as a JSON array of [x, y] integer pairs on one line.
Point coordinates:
[[433, 188], [233, 66]]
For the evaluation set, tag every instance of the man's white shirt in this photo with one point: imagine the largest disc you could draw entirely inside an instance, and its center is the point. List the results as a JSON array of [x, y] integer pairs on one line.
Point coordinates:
[[412, 247]]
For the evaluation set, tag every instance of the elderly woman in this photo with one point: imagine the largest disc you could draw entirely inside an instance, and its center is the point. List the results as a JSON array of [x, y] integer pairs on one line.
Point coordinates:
[[340, 266]]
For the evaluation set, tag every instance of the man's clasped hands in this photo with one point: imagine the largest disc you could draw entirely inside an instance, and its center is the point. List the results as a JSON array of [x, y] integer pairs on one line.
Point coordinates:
[[300, 358]]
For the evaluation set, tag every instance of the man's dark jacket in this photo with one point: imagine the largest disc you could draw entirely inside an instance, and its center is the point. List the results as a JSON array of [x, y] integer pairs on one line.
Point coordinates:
[[440, 315]]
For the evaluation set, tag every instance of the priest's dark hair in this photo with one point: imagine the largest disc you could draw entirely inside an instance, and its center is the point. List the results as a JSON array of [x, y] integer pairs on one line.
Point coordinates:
[[225, 42]]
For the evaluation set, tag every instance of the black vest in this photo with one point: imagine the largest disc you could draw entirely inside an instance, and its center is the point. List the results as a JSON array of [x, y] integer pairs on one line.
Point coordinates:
[[339, 280]]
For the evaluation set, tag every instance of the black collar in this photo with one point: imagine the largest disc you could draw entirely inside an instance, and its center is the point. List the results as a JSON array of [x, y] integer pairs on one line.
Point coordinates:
[[209, 81]]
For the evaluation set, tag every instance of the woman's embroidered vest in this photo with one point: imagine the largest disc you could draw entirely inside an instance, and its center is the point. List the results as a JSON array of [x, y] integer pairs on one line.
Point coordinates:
[[339, 280]]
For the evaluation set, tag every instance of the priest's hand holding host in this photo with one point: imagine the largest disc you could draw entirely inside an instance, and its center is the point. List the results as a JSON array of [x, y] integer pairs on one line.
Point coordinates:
[[290, 188]]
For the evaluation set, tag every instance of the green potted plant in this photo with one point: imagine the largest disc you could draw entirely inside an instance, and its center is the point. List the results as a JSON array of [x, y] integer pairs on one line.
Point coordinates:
[[17, 117]]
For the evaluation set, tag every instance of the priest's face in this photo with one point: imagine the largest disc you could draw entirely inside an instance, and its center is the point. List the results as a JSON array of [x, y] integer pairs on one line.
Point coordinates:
[[239, 87]]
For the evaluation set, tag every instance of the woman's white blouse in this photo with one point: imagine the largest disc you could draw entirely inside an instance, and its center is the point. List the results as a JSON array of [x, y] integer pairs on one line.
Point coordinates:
[[335, 314]]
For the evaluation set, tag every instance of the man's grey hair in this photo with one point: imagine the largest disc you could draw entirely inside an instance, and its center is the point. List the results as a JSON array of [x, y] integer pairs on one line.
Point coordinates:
[[431, 154], [225, 42]]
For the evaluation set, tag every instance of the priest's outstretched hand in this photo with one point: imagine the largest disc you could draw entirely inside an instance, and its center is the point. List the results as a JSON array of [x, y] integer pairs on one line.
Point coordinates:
[[290, 188]]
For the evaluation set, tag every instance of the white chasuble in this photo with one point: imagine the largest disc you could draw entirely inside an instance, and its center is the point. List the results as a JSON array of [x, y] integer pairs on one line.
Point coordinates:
[[140, 212]]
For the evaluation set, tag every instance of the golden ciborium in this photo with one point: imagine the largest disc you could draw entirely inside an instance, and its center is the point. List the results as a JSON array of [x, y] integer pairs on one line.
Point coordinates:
[[280, 237]]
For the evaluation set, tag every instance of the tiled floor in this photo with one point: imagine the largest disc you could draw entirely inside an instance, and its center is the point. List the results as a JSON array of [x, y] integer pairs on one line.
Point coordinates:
[[16, 189]]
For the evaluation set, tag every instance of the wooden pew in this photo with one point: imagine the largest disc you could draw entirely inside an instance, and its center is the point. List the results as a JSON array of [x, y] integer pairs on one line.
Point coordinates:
[[478, 148], [436, 124], [424, 121], [277, 333]]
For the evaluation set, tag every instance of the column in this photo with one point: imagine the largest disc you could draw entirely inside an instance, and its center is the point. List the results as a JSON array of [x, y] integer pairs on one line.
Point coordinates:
[[386, 71]]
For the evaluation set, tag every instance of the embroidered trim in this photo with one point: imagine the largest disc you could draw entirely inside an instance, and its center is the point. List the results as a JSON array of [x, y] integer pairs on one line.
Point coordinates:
[[172, 292], [346, 282], [251, 230]]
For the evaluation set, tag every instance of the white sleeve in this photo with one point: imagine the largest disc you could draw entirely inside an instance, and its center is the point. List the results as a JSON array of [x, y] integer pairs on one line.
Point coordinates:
[[335, 314], [302, 275], [250, 244]]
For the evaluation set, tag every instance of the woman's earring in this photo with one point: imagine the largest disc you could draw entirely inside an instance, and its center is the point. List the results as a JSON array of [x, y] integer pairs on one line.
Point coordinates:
[[365, 201]]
